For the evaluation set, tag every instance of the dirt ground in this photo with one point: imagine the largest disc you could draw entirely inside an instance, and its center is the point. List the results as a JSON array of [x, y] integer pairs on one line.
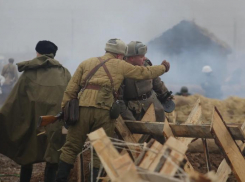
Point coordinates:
[[199, 163], [8, 167], [9, 170]]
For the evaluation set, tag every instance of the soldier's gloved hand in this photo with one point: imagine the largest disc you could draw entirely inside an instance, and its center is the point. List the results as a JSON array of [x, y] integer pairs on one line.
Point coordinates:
[[166, 64]]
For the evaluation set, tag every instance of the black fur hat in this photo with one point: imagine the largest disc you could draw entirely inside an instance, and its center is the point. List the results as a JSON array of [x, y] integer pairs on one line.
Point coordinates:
[[46, 47]]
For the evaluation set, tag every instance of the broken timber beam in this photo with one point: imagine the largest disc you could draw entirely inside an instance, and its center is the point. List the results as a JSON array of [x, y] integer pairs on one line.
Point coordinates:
[[227, 145], [185, 130]]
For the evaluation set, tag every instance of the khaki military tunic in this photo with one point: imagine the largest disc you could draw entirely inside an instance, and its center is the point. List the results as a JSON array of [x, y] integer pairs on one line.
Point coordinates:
[[95, 104]]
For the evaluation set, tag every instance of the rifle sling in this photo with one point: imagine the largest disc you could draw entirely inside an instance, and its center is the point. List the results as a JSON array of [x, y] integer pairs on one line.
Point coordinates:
[[110, 77], [92, 72]]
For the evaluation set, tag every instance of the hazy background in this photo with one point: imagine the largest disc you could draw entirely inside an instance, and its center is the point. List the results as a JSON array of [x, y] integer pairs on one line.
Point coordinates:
[[81, 28]]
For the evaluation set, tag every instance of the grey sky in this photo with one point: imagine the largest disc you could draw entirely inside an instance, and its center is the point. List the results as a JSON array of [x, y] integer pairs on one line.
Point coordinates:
[[24, 22]]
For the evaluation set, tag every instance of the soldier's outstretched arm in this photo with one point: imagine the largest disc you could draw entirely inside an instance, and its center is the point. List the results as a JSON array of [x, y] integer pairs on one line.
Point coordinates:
[[73, 86], [142, 72]]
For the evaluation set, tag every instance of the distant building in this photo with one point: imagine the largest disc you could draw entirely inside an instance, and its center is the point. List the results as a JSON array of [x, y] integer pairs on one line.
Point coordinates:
[[189, 47]]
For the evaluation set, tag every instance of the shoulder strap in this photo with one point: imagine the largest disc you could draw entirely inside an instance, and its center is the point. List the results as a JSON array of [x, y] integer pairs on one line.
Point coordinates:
[[92, 72], [111, 80]]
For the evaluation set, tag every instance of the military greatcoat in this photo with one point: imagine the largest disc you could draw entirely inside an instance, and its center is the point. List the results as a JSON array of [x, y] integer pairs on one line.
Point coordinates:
[[38, 92]]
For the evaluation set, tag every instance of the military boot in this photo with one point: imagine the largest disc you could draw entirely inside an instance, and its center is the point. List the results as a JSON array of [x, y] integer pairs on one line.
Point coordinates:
[[25, 173], [63, 171], [50, 172]]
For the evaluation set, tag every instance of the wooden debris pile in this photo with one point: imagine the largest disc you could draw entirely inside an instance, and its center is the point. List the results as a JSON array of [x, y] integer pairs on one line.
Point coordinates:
[[156, 162], [141, 159]]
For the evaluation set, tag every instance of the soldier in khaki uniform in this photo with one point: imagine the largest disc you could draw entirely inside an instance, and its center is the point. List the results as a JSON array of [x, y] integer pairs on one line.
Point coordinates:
[[96, 100], [9, 72], [138, 95]]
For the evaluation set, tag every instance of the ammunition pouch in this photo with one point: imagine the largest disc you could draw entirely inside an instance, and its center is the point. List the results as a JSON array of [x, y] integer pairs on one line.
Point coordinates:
[[71, 112]]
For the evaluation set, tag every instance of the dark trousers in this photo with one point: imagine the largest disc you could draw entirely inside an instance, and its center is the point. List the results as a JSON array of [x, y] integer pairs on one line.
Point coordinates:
[[49, 175]]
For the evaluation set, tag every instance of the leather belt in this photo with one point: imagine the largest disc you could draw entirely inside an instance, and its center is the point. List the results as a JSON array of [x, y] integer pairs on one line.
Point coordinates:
[[142, 97], [93, 87]]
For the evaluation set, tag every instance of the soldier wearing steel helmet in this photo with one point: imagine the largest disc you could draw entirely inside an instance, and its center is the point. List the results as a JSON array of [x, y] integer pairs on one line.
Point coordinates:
[[183, 91], [210, 84], [138, 95], [95, 100]]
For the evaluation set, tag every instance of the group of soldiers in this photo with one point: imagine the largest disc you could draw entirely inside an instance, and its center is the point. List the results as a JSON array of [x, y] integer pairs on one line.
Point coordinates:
[[45, 87]]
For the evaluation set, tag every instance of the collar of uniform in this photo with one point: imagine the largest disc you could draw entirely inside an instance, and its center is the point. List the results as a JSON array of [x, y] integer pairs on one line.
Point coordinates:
[[42, 61], [109, 55]]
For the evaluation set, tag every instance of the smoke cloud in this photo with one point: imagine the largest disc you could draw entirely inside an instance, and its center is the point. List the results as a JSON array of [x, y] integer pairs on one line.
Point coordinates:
[[81, 28]]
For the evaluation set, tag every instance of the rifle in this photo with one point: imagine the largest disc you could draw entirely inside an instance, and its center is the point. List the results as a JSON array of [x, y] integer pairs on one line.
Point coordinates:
[[46, 120]]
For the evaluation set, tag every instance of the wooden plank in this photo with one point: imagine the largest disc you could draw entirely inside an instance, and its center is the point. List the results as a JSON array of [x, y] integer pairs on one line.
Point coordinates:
[[193, 118], [176, 156], [156, 177], [172, 151], [224, 140], [123, 131], [154, 164], [195, 176], [167, 131], [105, 151], [195, 114], [183, 130], [126, 169], [149, 116], [150, 155], [224, 169]]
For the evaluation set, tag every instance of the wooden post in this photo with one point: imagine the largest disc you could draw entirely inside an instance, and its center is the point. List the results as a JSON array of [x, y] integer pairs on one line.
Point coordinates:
[[228, 146], [224, 169]]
